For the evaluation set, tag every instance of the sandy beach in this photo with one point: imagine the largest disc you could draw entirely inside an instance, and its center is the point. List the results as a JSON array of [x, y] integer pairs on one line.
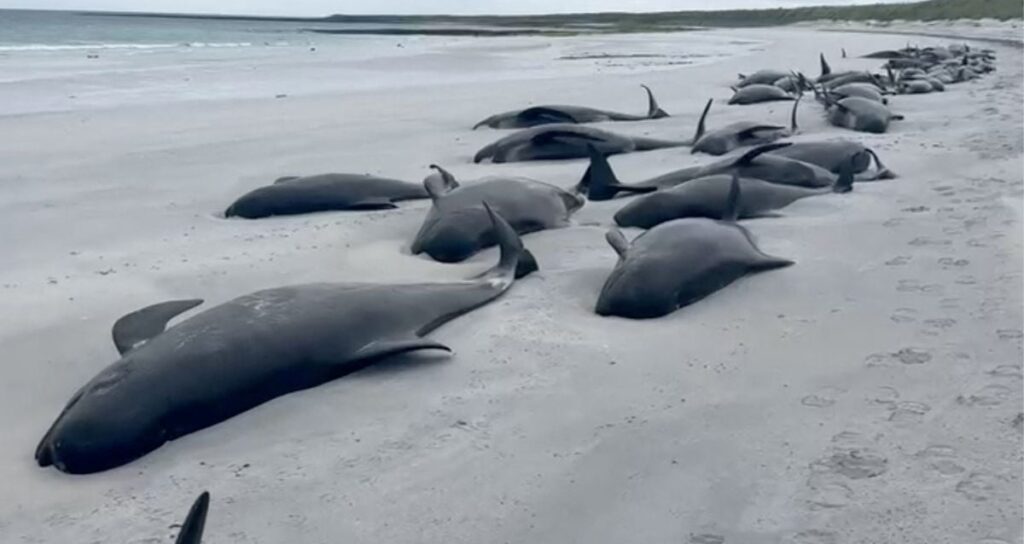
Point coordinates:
[[870, 394]]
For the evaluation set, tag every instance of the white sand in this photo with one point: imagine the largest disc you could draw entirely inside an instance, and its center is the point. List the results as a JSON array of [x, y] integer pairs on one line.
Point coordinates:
[[892, 350]]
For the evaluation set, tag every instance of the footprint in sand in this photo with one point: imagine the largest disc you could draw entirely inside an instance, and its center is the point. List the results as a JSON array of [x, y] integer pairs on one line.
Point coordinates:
[[817, 401], [855, 463], [903, 315], [828, 495], [908, 412], [914, 286], [990, 395], [907, 356], [979, 486], [1009, 334], [941, 458], [911, 356], [952, 262], [707, 538], [885, 395], [966, 280], [940, 323], [813, 536], [949, 304], [925, 241], [1007, 371]]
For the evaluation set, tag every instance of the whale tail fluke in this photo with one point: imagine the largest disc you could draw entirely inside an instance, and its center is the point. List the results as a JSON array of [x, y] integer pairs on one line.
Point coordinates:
[[883, 171], [599, 182], [515, 260]]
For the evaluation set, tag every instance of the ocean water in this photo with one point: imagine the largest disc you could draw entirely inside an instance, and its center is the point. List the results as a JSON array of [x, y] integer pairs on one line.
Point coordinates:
[[62, 61], [24, 30]]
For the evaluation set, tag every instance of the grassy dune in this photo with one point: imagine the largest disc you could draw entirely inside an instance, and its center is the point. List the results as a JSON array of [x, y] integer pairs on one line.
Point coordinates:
[[563, 24], [922, 11]]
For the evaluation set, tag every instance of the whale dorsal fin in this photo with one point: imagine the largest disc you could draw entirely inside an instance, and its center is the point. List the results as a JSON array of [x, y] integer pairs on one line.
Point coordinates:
[[440, 183], [142, 325], [732, 203], [749, 156], [825, 68], [618, 242], [792, 116], [192, 529], [285, 179], [654, 111], [703, 118]]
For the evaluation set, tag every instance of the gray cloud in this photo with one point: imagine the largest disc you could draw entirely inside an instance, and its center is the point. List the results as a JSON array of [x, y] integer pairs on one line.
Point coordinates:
[[326, 7]]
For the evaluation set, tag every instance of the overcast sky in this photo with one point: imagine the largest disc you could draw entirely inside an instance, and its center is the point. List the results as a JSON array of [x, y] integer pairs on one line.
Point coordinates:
[[327, 7]]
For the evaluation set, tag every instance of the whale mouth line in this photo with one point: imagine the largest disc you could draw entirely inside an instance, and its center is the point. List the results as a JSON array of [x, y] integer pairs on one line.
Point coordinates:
[[44, 454]]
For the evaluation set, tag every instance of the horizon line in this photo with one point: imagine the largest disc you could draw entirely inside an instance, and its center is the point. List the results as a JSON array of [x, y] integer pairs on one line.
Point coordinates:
[[439, 14]]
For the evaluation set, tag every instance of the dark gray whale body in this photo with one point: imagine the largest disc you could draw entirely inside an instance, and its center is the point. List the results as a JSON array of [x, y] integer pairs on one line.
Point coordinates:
[[546, 115], [708, 197], [600, 183], [861, 114], [457, 225], [742, 133], [758, 92], [565, 141], [833, 154], [761, 77], [680, 262], [295, 195], [247, 351]]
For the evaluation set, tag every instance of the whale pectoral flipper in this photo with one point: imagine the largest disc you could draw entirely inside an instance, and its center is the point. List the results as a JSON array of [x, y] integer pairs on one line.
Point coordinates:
[[141, 325], [379, 349], [844, 184], [192, 529], [379, 203], [618, 241]]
